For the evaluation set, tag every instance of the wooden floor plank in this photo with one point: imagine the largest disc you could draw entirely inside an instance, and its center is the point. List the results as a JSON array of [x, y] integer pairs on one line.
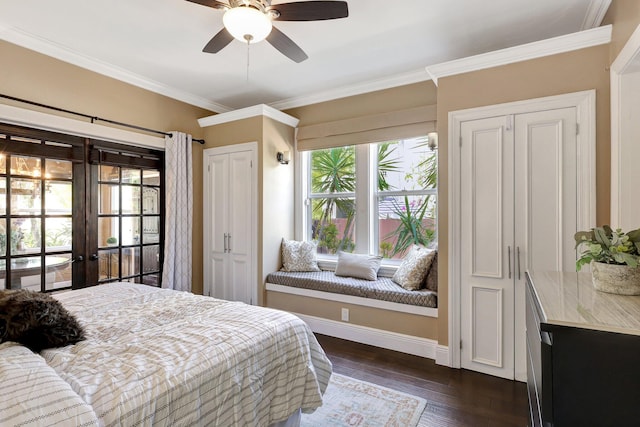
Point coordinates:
[[455, 397]]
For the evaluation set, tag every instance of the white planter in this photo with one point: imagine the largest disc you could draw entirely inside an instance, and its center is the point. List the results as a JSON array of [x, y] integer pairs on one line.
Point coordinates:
[[616, 279]]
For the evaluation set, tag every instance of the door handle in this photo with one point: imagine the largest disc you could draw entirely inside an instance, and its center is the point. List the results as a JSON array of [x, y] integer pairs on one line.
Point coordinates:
[[509, 259], [225, 242], [93, 257], [518, 250], [229, 245]]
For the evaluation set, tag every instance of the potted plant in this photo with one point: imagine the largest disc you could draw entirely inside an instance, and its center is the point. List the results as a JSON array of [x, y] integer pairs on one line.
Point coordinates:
[[112, 241], [614, 257]]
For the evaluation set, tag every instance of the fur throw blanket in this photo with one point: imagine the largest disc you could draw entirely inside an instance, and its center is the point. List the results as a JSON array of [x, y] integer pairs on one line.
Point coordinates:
[[36, 320]]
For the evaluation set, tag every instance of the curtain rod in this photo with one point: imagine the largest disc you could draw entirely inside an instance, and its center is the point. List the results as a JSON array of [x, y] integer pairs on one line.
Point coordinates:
[[93, 118]]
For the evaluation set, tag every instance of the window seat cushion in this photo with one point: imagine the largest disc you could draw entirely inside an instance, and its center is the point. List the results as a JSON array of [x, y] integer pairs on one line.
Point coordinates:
[[381, 289]]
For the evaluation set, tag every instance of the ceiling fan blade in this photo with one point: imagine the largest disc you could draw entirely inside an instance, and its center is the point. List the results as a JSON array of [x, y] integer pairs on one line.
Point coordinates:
[[286, 46], [211, 3], [310, 10], [218, 41]]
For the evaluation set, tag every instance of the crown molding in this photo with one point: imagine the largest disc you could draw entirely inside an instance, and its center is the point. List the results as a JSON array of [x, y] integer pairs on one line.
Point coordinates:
[[248, 112], [595, 14], [46, 47], [561, 44], [357, 89]]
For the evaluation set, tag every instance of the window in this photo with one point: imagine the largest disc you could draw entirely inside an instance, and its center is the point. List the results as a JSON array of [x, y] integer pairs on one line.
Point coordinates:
[[371, 198]]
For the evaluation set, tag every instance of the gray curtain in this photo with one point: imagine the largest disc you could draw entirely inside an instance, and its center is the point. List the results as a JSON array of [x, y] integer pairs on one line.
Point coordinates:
[[177, 272]]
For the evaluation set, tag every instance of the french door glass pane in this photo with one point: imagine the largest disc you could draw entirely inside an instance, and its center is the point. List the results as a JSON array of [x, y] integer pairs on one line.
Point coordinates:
[[130, 199], [131, 176], [130, 261], [151, 229], [58, 169], [58, 233], [3, 238], [21, 165], [150, 177], [108, 231], [58, 198], [25, 236], [109, 264], [109, 199], [150, 258], [3, 196], [109, 173], [130, 230], [25, 196], [3, 164], [58, 272]]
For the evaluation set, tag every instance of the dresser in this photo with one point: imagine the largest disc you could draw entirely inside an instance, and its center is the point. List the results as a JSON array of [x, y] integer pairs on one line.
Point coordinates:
[[583, 353]]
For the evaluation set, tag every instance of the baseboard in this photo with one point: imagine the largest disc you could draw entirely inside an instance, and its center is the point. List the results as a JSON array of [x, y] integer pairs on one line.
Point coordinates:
[[417, 346], [442, 355]]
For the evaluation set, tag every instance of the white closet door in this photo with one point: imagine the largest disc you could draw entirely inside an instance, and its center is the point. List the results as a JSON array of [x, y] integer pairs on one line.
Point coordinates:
[[486, 230], [240, 227], [545, 203], [218, 212]]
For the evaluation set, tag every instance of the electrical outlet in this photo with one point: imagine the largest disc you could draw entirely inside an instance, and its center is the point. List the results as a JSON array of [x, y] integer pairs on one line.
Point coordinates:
[[345, 314]]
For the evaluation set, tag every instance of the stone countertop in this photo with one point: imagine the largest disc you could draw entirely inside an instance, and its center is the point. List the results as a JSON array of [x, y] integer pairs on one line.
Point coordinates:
[[569, 299]]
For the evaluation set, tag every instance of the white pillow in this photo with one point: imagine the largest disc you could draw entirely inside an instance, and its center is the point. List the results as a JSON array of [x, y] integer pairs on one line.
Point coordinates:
[[33, 393], [358, 266], [414, 267], [299, 256]]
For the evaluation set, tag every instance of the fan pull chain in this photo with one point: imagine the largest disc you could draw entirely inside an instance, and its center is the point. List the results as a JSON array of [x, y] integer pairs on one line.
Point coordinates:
[[248, 38]]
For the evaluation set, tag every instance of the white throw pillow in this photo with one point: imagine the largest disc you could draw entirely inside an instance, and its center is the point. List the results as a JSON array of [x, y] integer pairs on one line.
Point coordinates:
[[299, 256], [414, 268], [358, 266]]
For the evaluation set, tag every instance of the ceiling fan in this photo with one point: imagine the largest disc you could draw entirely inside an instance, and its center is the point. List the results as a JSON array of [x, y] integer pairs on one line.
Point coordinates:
[[250, 21]]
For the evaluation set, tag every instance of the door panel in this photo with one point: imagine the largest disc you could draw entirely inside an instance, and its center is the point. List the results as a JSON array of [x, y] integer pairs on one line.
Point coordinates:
[[545, 203], [486, 244], [240, 227], [218, 210]]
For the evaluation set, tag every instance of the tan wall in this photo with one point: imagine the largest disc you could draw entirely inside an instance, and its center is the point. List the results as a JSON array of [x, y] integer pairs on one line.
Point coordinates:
[[394, 321], [278, 195], [625, 15], [29, 75], [394, 99], [553, 75]]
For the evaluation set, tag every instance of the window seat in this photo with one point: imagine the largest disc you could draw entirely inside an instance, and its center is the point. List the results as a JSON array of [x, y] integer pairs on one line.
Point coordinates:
[[383, 289]]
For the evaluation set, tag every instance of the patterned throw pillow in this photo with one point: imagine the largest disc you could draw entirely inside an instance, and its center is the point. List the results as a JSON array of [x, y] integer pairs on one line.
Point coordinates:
[[358, 266], [414, 268], [299, 256]]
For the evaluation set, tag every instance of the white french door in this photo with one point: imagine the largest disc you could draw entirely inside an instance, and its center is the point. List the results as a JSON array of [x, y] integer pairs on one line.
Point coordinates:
[[519, 180]]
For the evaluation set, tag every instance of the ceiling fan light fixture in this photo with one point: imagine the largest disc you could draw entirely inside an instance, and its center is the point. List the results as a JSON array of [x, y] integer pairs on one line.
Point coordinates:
[[247, 24]]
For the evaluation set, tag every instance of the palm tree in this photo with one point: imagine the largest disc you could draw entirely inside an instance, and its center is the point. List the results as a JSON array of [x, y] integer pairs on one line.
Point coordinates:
[[333, 171]]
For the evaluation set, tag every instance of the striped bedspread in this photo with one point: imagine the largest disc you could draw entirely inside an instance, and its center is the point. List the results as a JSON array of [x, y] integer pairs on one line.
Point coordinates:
[[165, 358]]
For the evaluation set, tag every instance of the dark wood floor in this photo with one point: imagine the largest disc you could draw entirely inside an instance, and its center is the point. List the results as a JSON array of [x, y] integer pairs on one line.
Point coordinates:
[[455, 397]]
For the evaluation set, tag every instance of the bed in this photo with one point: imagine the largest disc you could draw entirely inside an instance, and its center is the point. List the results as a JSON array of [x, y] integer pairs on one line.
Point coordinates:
[[160, 357]]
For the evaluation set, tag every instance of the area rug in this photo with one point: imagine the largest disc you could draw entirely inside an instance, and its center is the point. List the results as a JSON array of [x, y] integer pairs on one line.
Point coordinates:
[[352, 403]]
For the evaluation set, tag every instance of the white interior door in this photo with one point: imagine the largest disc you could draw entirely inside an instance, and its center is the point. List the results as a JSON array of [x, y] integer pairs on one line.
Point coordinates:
[[486, 230], [546, 213], [230, 223], [240, 227]]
